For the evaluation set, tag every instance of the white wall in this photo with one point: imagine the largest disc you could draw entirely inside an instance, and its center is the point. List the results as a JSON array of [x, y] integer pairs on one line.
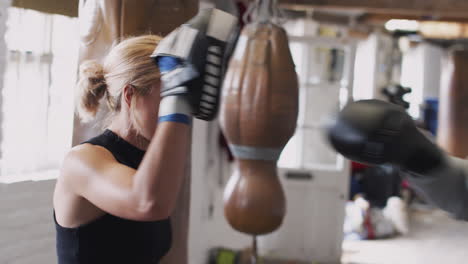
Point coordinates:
[[26, 223], [421, 71], [365, 68], [4, 4], [210, 171], [433, 56], [412, 75]]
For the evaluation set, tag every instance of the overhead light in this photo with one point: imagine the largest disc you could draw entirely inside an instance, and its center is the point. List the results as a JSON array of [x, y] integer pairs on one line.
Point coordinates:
[[402, 25], [430, 29], [444, 30]]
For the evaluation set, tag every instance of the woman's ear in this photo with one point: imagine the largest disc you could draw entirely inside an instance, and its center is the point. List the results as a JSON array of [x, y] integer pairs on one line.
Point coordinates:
[[128, 93]]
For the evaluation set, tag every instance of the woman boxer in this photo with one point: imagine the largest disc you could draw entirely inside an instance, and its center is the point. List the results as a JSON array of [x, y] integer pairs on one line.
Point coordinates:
[[116, 191]]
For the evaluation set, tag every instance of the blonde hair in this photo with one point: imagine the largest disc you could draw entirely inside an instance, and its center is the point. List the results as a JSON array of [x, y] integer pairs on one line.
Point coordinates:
[[128, 63]]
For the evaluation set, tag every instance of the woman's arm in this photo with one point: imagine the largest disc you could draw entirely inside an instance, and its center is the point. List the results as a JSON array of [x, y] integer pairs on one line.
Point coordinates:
[[149, 193]]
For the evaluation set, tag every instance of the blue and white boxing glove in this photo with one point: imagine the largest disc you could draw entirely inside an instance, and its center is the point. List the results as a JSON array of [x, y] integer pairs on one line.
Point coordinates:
[[192, 59], [173, 107]]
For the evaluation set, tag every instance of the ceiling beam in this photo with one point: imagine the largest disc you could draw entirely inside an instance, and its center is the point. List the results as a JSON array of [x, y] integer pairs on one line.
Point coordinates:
[[448, 8], [372, 18], [61, 7], [320, 16]]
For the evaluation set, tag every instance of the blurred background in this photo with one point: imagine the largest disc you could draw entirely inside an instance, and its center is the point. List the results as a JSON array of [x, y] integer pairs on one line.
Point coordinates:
[[408, 52]]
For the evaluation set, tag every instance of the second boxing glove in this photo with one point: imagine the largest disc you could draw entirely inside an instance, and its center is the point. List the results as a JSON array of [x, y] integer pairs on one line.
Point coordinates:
[[377, 132], [198, 48]]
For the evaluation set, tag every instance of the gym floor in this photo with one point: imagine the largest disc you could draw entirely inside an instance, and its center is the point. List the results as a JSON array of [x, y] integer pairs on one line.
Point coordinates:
[[434, 238]]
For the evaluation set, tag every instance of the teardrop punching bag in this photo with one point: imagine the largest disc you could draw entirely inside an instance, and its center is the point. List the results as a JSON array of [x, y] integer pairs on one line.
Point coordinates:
[[258, 117], [453, 111]]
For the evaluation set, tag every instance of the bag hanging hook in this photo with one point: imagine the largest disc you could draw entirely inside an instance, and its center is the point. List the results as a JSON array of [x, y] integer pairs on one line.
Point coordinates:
[[264, 11]]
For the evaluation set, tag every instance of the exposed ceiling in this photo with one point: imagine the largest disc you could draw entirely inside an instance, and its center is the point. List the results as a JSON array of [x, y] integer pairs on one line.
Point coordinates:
[[362, 13], [62, 7], [368, 11], [371, 10], [368, 14], [434, 9]]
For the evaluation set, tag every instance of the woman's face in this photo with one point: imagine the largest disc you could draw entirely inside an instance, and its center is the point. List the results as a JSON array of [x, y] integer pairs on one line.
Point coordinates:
[[146, 111]]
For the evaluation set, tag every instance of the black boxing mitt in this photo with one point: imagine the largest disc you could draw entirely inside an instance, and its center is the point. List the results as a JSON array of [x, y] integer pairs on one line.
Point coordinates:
[[197, 52], [377, 132]]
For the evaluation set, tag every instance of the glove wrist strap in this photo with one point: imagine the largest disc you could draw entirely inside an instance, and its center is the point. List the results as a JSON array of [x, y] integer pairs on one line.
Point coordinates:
[[175, 109]]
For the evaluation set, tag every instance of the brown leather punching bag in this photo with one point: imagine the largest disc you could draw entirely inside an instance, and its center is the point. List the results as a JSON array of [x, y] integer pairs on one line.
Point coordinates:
[[453, 110], [258, 117]]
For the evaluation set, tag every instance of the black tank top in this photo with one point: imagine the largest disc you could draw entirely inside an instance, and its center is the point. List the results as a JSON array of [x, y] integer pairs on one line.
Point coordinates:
[[111, 239]]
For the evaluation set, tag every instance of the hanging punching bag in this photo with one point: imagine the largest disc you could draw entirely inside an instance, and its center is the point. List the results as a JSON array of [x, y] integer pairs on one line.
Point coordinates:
[[258, 117], [453, 111]]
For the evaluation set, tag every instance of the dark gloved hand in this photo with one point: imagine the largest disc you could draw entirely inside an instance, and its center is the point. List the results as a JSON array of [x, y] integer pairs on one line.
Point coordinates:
[[192, 59], [377, 132]]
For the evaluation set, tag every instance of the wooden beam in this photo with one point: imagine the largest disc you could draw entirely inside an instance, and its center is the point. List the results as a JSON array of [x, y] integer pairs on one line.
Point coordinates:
[[372, 18], [61, 7], [449, 8], [320, 16], [331, 18]]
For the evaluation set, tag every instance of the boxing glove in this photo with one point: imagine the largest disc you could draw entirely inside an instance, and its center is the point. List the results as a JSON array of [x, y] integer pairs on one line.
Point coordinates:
[[173, 107], [192, 59], [377, 132]]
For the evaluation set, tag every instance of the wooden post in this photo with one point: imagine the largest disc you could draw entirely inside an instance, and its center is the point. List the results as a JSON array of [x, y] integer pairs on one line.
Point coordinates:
[[452, 133], [112, 21]]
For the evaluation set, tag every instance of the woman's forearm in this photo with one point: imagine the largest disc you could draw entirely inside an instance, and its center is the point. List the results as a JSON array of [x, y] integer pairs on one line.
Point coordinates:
[[159, 178]]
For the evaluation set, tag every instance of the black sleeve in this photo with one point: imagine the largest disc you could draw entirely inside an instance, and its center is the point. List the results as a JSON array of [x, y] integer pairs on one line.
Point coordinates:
[[446, 187]]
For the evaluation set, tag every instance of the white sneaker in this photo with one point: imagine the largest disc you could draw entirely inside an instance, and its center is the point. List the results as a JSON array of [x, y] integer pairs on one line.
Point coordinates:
[[397, 212]]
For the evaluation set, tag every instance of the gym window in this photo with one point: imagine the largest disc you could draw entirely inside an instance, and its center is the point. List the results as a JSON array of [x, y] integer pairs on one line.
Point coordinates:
[[39, 57]]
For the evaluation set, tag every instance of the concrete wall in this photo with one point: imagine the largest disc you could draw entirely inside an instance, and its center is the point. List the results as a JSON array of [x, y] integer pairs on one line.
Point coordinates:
[[27, 233], [210, 172]]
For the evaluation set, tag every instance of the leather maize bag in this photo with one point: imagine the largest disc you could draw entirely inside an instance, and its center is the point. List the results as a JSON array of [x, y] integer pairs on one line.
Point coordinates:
[[453, 111], [258, 117]]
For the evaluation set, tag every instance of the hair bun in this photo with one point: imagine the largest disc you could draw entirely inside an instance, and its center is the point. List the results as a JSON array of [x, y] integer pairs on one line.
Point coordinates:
[[91, 88]]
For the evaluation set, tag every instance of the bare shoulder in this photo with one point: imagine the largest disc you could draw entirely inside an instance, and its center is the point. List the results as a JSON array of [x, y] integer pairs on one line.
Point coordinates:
[[80, 164], [89, 153], [83, 161]]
